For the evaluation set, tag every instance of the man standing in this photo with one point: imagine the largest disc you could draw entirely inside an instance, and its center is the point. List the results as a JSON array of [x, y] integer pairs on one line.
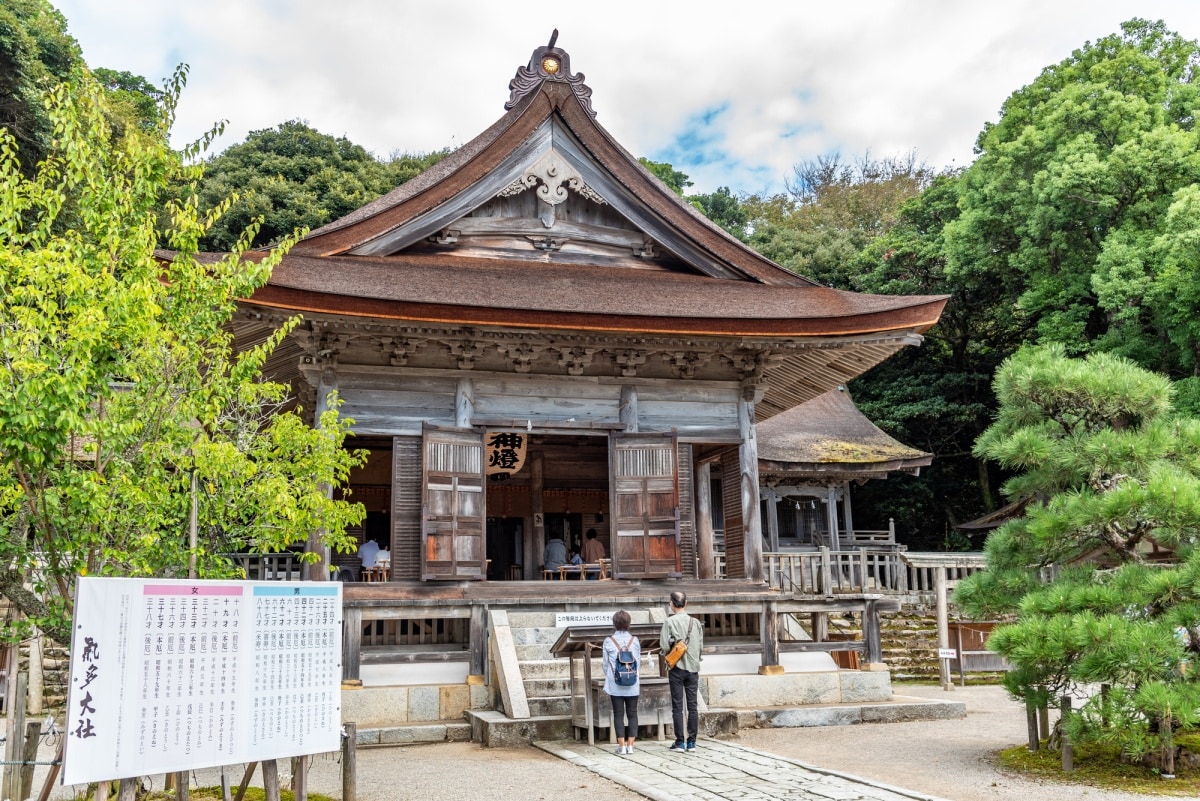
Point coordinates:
[[684, 678]]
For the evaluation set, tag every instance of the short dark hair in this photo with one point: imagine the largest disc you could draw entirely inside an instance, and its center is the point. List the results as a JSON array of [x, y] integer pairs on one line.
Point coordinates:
[[591, 534], [678, 599], [621, 620]]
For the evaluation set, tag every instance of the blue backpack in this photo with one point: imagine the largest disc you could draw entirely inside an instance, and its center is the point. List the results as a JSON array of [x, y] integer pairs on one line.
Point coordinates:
[[625, 667]]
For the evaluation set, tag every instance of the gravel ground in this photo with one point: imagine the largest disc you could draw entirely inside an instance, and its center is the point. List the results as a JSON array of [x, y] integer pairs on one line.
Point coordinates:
[[952, 759]]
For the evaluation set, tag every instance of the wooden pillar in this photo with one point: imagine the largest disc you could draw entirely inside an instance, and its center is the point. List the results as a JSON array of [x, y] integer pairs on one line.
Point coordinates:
[[536, 484], [871, 633], [847, 515], [748, 466], [820, 626], [629, 408], [319, 570], [350, 762], [943, 624], [351, 646], [704, 523], [464, 403], [478, 644], [772, 499], [831, 517], [769, 633]]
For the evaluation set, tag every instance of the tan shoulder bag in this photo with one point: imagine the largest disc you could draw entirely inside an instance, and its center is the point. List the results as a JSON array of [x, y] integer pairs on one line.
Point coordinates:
[[677, 651]]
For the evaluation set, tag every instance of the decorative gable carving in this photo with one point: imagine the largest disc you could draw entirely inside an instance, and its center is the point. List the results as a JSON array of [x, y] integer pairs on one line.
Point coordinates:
[[556, 176]]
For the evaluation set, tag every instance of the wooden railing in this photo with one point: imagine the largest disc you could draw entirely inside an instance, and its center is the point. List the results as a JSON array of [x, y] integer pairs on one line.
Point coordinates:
[[269, 566], [888, 569], [922, 568]]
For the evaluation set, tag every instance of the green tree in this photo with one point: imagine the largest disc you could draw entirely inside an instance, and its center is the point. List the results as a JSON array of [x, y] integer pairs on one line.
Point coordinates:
[[36, 52], [675, 180], [1079, 200], [725, 209], [293, 177], [122, 401], [1116, 474], [833, 209]]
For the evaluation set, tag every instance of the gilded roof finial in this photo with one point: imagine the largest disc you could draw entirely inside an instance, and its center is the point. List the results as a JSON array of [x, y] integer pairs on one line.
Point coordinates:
[[548, 63]]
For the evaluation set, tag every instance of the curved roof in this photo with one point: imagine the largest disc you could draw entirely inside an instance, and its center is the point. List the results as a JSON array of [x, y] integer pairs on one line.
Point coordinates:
[[400, 257], [828, 434]]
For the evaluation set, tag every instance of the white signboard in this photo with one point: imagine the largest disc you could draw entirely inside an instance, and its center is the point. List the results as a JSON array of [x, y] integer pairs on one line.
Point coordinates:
[[947, 653], [170, 675], [566, 619]]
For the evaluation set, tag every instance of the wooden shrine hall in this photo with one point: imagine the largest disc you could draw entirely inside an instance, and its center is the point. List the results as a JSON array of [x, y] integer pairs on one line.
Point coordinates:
[[537, 338]]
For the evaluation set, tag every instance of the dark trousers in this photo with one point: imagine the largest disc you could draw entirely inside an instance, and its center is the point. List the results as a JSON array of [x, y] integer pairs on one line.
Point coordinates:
[[625, 709], [684, 685]]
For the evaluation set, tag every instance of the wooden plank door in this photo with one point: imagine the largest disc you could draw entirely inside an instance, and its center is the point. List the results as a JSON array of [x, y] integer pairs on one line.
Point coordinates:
[[644, 477], [452, 520]]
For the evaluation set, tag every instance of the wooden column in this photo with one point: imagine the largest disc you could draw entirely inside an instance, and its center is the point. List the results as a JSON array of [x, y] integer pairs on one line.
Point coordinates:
[[847, 516], [831, 517], [772, 499], [704, 527], [464, 403], [629, 408], [536, 482], [478, 644], [351, 646], [871, 633], [748, 466], [769, 634], [943, 624], [319, 570]]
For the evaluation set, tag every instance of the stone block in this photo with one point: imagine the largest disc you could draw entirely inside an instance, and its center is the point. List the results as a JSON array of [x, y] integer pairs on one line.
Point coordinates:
[[481, 696], [458, 732], [402, 735], [861, 686], [454, 701], [758, 692], [900, 711], [367, 737], [424, 704], [375, 707], [816, 716], [719, 723]]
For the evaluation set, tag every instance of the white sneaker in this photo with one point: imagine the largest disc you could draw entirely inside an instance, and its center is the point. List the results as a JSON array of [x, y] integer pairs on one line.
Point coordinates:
[[629, 749], [619, 750]]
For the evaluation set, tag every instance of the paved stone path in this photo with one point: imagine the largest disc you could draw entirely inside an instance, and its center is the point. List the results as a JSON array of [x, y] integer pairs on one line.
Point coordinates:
[[721, 771]]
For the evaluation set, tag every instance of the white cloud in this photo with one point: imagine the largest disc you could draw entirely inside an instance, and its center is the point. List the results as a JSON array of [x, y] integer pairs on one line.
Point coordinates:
[[799, 79]]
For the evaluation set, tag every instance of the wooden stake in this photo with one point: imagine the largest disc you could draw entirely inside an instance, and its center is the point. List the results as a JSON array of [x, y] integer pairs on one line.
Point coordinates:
[[52, 775], [33, 730], [1068, 752], [270, 771], [300, 779], [182, 785], [249, 774], [226, 793], [16, 736], [128, 790], [349, 761]]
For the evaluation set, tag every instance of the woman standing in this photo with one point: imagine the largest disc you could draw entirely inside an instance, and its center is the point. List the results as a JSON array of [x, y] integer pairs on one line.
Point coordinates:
[[620, 645]]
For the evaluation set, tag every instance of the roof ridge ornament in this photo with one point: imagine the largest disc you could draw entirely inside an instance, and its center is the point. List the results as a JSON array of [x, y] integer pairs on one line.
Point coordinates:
[[548, 63]]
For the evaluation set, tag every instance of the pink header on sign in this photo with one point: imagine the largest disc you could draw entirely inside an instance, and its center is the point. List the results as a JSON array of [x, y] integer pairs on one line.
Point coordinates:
[[191, 589]]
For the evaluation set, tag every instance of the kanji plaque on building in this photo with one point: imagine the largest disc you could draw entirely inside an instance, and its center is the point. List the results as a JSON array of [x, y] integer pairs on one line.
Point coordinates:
[[505, 452]]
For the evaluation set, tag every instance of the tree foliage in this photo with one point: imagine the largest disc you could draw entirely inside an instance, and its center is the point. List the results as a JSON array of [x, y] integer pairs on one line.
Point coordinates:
[[119, 386], [1083, 198], [833, 209], [292, 177], [1116, 474], [36, 52]]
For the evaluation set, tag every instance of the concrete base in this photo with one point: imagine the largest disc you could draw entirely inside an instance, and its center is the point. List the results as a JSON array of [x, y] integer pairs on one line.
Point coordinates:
[[447, 731], [898, 710], [495, 730]]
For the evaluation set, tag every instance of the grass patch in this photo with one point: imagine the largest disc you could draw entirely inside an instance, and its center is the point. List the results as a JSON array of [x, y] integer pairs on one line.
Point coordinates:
[[214, 794], [1099, 766]]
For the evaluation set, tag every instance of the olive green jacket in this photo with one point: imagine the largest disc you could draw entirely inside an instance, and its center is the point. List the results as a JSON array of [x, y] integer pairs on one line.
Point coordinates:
[[681, 626]]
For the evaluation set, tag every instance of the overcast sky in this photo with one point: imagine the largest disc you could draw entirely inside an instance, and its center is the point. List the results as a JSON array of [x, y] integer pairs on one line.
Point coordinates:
[[733, 93]]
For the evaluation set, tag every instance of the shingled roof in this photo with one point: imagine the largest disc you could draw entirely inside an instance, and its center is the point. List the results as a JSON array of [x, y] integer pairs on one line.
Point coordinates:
[[544, 222], [828, 435]]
